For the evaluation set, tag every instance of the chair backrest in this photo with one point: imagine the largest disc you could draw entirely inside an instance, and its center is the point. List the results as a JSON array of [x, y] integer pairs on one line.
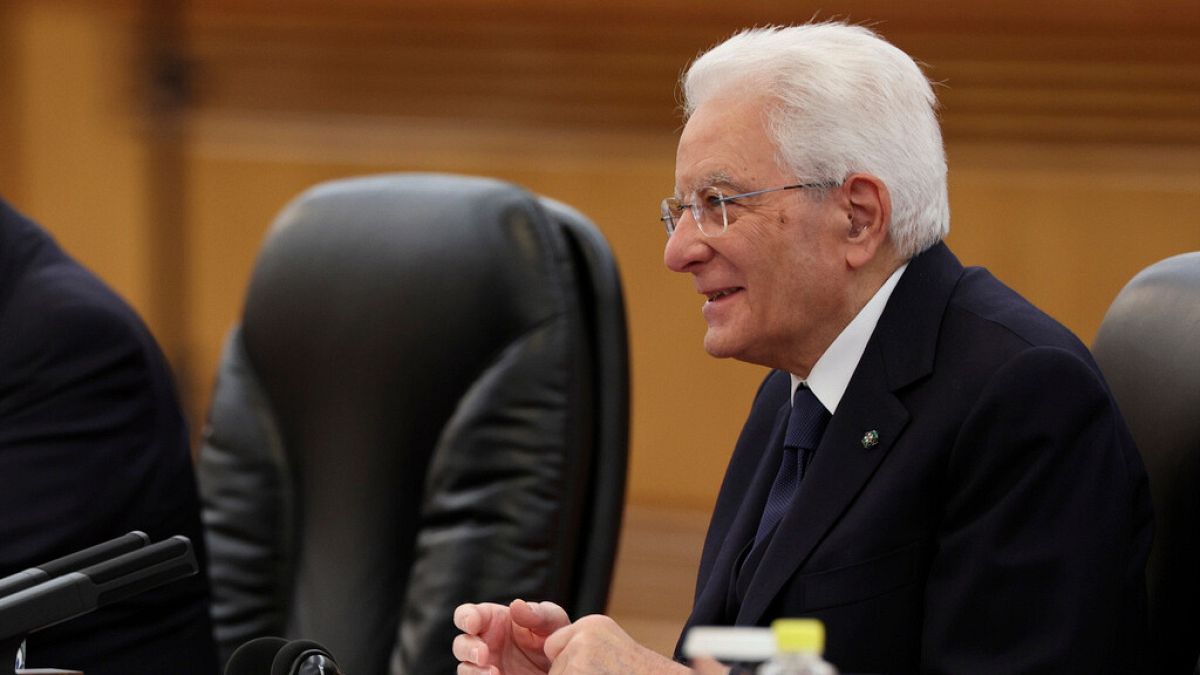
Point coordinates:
[[1149, 349], [426, 403]]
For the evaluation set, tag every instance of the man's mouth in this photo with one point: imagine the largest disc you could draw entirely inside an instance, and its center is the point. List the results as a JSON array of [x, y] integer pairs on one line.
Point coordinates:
[[717, 295]]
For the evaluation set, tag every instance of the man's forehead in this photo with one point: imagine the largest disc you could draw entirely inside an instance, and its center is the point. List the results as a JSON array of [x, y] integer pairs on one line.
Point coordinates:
[[723, 140]]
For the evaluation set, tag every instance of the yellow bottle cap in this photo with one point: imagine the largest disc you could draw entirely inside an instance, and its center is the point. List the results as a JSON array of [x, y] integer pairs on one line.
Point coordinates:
[[799, 635]]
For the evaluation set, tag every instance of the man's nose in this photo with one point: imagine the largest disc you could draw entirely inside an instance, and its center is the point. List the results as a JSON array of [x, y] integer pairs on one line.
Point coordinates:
[[687, 246]]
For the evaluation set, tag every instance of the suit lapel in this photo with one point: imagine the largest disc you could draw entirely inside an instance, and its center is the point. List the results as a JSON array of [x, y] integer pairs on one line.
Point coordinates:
[[711, 603], [840, 468], [900, 352]]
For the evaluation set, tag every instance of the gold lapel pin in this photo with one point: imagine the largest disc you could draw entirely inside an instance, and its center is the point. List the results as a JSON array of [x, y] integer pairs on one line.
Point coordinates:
[[870, 439]]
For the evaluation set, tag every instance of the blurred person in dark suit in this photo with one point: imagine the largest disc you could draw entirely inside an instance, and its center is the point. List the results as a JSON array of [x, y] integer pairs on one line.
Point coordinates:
[[933, 467], [92, 445]]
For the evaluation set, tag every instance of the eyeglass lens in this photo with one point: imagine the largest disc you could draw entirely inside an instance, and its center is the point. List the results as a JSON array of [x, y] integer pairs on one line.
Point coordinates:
[[707, 207]]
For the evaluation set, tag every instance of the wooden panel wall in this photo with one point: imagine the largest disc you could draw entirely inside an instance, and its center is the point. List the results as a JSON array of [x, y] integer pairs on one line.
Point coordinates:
[[1063, 132], [8, 104], [1073, 131]]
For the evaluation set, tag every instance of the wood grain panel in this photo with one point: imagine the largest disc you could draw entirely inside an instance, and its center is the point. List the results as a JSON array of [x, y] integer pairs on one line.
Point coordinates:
[[1072, 129], [576, 100], [9, 124], [656, 573], [77, 156], [1123, 72]]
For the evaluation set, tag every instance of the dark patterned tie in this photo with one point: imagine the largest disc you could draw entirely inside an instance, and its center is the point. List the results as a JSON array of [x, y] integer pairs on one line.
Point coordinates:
[[805, 425]]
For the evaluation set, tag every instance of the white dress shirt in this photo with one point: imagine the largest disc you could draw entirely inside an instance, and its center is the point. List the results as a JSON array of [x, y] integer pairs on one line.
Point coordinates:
[[831, 373]]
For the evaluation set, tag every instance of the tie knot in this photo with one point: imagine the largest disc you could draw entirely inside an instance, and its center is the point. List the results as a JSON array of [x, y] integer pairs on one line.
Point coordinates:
[[806, 422]]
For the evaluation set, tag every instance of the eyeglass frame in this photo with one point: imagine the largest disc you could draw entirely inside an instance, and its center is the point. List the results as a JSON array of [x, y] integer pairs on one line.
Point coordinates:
[[670, 221]]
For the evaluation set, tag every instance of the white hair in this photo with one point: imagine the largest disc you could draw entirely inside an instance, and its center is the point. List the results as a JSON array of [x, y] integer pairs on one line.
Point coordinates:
[[841, 100]]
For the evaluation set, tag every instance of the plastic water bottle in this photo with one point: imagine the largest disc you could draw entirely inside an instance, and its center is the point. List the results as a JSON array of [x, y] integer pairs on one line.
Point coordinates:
[[798, 647]]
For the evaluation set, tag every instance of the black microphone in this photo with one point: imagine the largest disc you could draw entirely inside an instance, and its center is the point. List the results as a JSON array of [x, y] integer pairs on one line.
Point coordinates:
[[304, 657], [76, 593], [73, 562], [254, 657], [276, 656]]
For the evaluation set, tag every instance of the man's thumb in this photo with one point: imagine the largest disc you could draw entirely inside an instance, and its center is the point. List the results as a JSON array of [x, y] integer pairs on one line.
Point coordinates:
[[540, 617]]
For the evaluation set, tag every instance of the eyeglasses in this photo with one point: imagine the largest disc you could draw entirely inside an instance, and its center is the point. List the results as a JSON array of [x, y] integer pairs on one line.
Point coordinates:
[[708, 207]]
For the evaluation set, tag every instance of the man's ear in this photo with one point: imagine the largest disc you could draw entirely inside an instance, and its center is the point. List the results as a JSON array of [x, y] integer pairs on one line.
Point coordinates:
[[868, 207]]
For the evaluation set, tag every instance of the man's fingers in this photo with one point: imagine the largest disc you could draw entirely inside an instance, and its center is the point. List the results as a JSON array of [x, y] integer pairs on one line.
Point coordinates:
[[467, 669], [558, 641], [706, 666], [470, 649], [475, 618], [539, 617], [464, 618]]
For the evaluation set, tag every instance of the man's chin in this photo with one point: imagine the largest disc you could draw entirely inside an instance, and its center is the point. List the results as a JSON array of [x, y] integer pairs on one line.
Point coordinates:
[[717, 347]]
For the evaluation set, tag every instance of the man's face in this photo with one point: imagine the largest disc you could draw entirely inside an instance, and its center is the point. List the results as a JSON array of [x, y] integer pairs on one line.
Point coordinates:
[[776, 283]]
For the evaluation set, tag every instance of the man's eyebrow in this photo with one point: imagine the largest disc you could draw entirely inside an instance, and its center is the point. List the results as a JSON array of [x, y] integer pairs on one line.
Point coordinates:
[[715, 178]]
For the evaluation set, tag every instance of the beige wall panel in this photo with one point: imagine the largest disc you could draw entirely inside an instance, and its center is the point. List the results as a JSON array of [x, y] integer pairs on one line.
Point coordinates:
[[80, 159], [9, 105], [1068, 226]]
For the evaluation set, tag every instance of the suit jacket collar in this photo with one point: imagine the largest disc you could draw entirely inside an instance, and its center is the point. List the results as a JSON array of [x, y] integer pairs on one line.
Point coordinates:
[[899, 353], [906, 335]]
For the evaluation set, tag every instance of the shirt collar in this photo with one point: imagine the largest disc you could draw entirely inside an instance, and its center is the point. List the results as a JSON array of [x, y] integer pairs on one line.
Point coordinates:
[[831, 373]]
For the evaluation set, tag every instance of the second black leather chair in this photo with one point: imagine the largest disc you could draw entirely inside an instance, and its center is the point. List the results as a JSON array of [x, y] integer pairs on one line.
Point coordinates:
[[426, 403], [1149, 349]]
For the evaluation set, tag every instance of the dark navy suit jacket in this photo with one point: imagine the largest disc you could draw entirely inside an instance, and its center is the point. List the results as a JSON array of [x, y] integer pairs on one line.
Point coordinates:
[[1001, 523], [92, 445]]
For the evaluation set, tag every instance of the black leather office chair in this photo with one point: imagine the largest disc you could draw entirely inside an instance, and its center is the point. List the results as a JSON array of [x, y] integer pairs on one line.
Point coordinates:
[[426, 403], [1149, 349]]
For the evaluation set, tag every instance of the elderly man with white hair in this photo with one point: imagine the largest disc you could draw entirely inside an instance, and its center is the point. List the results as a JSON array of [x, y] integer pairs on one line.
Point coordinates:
[[933, 467]]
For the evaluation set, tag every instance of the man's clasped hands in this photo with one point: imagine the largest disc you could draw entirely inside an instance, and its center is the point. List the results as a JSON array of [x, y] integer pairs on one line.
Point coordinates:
[[538, 638]]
